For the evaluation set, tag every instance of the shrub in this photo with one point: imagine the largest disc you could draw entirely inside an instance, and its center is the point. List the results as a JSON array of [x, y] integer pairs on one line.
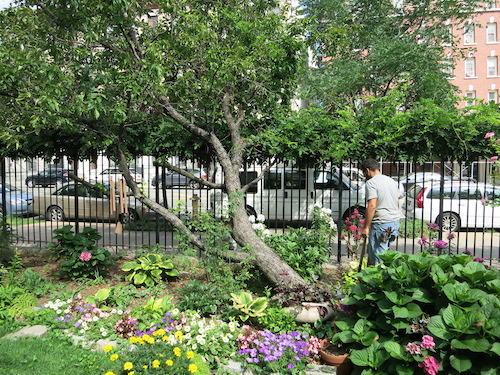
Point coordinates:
[[400, 306], [81, 257], [6, 239], [206, 299], [278, 320], [149, 269]]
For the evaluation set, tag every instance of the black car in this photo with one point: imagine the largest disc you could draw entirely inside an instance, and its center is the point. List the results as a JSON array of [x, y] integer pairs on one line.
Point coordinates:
[[176, 179], [52, 176]]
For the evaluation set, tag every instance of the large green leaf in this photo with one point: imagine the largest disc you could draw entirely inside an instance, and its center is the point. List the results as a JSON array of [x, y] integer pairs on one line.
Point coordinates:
[[495, 348], [129, 266], [472, 344], [438, 328], [395, 350], [460, 363]]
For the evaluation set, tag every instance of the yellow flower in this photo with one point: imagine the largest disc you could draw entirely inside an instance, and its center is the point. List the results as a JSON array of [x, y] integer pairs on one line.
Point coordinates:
[[128, 366], [145, 367], [156, 363], [113, 357], [131, 373], [108, 348], [110, 373], [168, 362], [159, 332], [160, 355], [165, 338], [178, 335], [190, 354], [133, 340], [177, 351], [192, 368]]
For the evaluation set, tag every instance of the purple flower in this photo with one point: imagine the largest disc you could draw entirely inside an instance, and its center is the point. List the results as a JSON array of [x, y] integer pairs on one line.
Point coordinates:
[[423, 241], [480, 260], [290, 366], [440, 244], [468, 252]]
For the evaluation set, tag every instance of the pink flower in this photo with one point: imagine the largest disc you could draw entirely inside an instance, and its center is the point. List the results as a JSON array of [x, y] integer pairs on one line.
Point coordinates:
[[489, 135], [353, 228], [85, 256], [413, 348], [427, 342], [430, 365], [423, 241], [451, 236], [494, 158]]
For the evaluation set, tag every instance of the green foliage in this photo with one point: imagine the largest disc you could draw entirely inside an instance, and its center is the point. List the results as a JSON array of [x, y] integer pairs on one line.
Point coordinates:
[[153, 311], [277, 320], [33, 281], [206, 299], [303, 250], [149, 269], [15, 303], [7, 252], [247, 306], [448, 300], [81, 257]]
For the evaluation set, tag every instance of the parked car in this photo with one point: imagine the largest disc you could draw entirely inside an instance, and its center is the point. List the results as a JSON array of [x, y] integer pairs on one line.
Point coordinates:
[[47, 177], [93, 204], [17, 202], [176, 179], [421, 177], [465, 205], [112, 174]]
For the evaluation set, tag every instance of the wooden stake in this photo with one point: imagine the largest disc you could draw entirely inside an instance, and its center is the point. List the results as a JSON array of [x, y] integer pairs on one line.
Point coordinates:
[[363, 250]]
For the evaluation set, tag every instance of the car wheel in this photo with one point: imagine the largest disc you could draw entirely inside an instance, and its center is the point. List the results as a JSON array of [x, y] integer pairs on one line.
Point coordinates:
[[59, 183], [55, 213], [129, 217], [194, 184], [449, 222], [30, 183]]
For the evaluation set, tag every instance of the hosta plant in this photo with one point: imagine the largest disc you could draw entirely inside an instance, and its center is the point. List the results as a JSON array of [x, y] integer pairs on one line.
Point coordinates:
[[247, 306], [423, 314], [149, 269]]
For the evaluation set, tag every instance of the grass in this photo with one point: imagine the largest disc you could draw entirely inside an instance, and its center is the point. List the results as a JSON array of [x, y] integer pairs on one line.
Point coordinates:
[[48, 356], [19, 220]]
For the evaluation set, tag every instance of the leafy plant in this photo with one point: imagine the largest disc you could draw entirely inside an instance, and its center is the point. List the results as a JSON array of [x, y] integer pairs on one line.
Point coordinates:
[[15, 302], [82, 258], [149, 269], [206, 299], [277, 320], [248, 306], [153, 311], [6, 239], [450, 300]]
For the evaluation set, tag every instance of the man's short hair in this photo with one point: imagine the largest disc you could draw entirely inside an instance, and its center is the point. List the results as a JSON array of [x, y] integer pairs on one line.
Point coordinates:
[[370, 164]]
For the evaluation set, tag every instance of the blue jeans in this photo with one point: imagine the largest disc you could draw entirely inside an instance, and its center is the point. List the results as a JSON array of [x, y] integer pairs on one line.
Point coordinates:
[[376, 244]]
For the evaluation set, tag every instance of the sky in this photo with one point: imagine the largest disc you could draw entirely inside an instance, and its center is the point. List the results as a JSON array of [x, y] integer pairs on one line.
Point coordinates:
[[4, 3]]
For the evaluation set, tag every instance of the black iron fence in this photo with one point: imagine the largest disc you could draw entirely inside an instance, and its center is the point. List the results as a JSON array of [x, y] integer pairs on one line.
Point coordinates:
[[38, 197]]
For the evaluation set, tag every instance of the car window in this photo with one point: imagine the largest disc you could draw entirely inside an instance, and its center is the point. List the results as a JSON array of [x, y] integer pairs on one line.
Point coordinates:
[[326, 180], [272, 180], [470, 194], [96, 193], [414, 191], [435, 193], [492, 193], [69, 190], [295, 179], [246, 177]]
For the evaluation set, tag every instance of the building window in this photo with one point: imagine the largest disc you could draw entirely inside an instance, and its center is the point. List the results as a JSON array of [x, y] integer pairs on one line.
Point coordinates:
[[448, 69], [491, 4], [491, 32], [492, 70], [470, 67], [470, 98], [469, 34], [493, 96]]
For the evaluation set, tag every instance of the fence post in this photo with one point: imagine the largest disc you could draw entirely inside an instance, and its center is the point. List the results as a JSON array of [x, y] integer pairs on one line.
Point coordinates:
[[195, 204], [4, 193]]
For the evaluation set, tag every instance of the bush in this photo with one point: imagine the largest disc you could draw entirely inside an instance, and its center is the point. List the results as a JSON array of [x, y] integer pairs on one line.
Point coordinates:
[[417, 312], [81, 256]]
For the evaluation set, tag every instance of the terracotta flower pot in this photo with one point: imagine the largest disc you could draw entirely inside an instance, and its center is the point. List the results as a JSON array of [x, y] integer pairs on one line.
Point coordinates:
[[340, 361]]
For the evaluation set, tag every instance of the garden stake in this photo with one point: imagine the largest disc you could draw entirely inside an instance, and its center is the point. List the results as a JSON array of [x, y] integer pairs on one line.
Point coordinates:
[[363, 249]]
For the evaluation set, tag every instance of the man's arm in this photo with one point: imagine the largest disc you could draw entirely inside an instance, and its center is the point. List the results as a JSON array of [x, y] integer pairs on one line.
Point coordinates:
[[370, 213]]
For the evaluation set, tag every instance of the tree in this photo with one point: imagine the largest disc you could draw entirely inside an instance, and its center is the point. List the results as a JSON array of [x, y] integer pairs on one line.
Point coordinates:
[[368, 47], [200, 78]]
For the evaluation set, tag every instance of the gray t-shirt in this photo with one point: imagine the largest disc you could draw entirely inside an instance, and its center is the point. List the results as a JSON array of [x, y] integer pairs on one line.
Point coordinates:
[[387, 193]]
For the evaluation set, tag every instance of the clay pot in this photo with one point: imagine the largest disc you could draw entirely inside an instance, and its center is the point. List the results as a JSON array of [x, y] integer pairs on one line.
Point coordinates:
[[340, 361], [309, 312]]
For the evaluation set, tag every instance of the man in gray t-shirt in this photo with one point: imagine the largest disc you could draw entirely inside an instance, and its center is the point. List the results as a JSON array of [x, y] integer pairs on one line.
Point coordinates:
[[381, 224]]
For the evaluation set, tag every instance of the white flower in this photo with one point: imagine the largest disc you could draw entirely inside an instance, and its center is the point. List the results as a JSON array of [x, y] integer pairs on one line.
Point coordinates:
[[232, 326], [102, 329], [58, 311], [104, 334], [175, 311], [258, 226], [266, 232], [113, 311], [95, 318], [326, 211], [261, 218], [120, 312], [225, 339], [251, 218], [194, 346], [187, 328], [317, 205]]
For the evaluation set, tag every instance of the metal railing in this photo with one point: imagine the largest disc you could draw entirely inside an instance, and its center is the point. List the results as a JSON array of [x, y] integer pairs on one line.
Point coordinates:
[[455, 193]]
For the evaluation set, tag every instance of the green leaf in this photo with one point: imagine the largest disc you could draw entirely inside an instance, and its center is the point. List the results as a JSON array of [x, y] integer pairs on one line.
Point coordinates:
[[129, 266], [472, 344], [460, 363], [438, 328], [395, 350], [495, 348], [140, 278]]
